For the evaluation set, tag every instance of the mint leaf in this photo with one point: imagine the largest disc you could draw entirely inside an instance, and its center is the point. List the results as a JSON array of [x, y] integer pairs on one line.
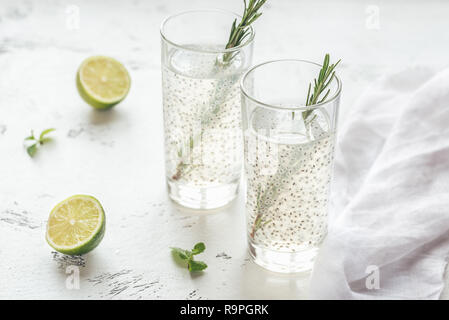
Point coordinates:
[[181, 253], [196, 265], [31, 136], [186, 257], [44, 133], [44, 140], [32, 150], [198, 248]]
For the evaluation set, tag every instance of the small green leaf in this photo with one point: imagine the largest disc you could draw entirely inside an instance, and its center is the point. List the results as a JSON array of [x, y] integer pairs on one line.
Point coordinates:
[[31, 137], [32, 150], [181, 253], [196, 265], [198, 248], [44, 133], [45, 140]]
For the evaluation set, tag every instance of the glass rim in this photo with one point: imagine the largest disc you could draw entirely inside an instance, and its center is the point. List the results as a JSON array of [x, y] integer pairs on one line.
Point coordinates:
[[303, 107], [233, 49]]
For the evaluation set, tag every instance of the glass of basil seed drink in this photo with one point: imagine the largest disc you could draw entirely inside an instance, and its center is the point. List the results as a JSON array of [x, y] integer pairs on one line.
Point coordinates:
[[202, 106], [289, 139]]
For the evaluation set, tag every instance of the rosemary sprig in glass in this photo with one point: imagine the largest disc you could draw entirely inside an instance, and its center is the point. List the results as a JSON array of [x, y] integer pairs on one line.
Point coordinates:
[[241, 31], [320, 84], [325, 77]]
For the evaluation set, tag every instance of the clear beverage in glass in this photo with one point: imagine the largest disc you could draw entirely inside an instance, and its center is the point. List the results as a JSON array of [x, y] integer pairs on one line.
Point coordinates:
[[289, 150], [202, 107]]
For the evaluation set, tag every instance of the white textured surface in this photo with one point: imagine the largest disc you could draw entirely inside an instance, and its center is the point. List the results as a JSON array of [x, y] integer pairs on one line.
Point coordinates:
[[117, 155]]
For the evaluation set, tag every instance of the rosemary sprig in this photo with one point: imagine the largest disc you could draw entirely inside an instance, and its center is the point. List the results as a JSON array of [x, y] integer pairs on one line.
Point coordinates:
[[181, 167], [241, 31], [260, 205], [320, 85], [271, 191]]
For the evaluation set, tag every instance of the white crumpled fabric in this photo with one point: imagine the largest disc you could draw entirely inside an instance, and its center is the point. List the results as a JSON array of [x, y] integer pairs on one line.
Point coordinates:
[[390, 194]]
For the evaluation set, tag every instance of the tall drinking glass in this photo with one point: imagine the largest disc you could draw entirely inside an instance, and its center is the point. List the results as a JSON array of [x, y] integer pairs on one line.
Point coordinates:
[[288, 163], [202, 107]]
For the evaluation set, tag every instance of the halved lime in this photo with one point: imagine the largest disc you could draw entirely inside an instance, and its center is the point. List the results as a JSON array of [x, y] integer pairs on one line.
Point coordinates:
[[76, 225], [102, 81]]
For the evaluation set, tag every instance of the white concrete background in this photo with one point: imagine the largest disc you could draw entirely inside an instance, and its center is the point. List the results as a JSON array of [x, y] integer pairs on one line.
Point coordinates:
[[117, 155]]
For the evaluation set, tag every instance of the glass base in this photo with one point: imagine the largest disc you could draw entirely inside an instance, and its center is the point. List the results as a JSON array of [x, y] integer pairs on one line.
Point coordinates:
[[202, 198], [285, 262]]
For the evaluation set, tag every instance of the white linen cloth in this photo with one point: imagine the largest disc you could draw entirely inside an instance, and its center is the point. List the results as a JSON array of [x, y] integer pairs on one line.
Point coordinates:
[[390, 194]]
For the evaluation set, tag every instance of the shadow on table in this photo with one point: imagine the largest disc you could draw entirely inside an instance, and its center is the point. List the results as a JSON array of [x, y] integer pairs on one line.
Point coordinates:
[[258, 283], [104, 117]]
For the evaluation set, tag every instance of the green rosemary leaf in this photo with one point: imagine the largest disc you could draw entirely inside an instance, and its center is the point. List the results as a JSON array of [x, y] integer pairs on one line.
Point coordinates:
[[330, 80], [308, 92], [325, 96], [254, 18], [232, 30]]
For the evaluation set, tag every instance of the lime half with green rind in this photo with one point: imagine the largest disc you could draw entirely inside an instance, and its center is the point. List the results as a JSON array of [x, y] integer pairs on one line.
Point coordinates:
[[102, 82], [76, 225]]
